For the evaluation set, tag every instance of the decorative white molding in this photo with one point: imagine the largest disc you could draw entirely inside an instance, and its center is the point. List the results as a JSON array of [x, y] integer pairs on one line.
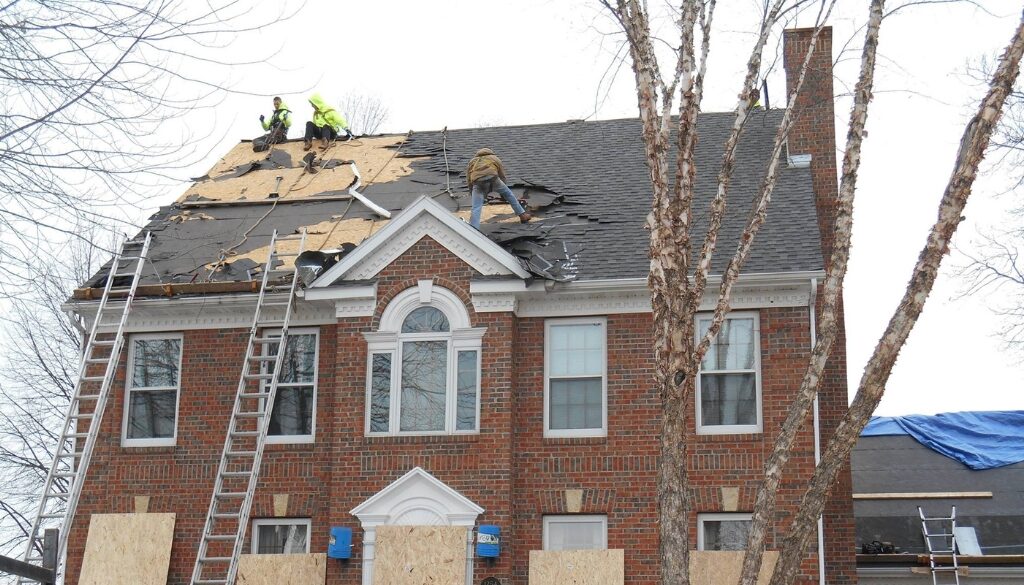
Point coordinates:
[[425, 217], [545, 304], [415, 499], [355, 307], [214, 312], [494, 303]]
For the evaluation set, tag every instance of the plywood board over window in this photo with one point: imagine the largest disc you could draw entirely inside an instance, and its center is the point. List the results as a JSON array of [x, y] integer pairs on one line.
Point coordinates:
[[127, 549], [419, 555], [295, 569], [711, 567], [577, 567]]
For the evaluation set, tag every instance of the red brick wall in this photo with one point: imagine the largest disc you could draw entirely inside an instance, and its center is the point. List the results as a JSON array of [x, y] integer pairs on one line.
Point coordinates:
[[509, 468]]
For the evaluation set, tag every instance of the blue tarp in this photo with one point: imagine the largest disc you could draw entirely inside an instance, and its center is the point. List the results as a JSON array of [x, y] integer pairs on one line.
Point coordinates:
[[979, 440]]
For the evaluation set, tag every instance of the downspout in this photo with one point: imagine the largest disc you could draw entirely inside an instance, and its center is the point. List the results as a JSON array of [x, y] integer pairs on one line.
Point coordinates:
[[353, 191], [817, 429]]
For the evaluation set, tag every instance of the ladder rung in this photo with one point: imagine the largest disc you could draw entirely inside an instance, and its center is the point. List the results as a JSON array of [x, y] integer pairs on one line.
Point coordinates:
[[251, 414], [220, 537], [50, 516], [124, 274], [254, 394], [240, 453], [258, 376], [222, 516], [231, 495], [264, 358], [82, 415], [215, 559], [236, 473], [210, 582], [241, 434]]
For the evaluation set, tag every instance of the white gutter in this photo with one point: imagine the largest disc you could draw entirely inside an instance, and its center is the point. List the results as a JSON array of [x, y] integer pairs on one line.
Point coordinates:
[[817, 430], [714, 279]]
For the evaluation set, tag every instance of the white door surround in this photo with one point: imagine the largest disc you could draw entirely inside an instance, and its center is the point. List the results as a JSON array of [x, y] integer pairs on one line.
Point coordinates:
[[415, 499]]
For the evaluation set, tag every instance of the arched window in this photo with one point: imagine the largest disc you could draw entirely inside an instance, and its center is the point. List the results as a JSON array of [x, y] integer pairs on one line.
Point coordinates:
[[424, 366]]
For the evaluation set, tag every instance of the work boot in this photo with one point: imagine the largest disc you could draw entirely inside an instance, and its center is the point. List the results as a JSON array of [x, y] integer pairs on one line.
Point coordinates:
[[525, 217], [324, 143], [307, 144]]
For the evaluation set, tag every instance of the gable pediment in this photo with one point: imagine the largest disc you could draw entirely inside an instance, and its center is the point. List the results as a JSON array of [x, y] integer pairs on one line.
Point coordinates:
[[424, 218], [416, 490]]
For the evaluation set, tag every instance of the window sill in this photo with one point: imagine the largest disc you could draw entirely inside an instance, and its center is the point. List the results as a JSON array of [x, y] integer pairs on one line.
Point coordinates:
[[282, 447], [164, 448], [420, 439], [602, 440]]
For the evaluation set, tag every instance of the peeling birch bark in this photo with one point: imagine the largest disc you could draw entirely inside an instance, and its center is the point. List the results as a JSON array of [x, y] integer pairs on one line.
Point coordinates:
[[766, 499], [872, 385]]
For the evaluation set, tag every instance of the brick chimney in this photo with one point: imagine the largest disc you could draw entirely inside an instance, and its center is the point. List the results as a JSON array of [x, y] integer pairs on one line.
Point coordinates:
[[813, 133]]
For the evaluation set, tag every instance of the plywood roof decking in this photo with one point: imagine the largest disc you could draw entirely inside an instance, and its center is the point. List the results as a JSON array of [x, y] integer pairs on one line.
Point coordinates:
[[376, 158]]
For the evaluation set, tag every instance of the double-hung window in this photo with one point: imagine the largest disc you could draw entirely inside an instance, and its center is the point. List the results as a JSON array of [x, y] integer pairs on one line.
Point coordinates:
[[723, 531], [294, 417], [729, 385], [424, 367], [575, 380], [280, 536], [576, 532], [153, 384]]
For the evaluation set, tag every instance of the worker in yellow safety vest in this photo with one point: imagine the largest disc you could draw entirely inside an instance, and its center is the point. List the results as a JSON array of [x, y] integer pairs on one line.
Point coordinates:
[[327, 124], [276, 127]]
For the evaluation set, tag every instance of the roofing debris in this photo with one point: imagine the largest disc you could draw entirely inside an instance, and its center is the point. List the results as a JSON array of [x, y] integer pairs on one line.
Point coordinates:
[[586, 184]]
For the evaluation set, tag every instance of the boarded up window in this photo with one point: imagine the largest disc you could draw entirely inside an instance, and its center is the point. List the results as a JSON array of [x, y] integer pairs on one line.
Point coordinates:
[[127, 549]]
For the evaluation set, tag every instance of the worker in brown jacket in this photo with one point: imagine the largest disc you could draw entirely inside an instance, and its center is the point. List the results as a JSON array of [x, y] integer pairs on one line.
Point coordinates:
[[485, 174]]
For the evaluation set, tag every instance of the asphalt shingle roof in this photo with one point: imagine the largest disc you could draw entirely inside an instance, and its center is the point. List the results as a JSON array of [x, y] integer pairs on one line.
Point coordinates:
[[588, 182]]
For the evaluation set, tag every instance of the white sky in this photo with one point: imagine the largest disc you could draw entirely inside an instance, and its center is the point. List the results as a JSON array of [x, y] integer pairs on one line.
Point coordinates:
[[472, 63]]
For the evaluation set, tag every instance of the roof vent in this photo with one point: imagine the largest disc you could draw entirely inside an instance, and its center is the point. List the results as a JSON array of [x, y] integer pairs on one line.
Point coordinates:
[[799, 161]]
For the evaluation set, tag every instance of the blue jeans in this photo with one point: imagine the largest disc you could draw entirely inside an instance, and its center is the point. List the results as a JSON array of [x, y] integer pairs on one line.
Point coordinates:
[[491, 184]]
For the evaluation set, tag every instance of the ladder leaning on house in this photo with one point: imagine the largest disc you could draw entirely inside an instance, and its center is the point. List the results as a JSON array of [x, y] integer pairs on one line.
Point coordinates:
[[941, 542], [74, 449], [239, 468]]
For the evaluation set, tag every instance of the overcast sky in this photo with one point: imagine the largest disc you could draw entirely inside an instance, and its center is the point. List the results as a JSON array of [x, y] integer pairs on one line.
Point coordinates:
[[472, 63]]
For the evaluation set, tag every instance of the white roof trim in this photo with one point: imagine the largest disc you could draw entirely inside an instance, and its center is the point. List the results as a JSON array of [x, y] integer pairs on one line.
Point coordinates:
[[424, 217], [395, 488]]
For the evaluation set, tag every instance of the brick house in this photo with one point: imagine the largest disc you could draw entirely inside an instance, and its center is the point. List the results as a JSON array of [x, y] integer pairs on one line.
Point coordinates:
[[441, 375]]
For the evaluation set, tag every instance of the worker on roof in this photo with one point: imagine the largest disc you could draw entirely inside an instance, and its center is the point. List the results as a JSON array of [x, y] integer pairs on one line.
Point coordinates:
[[485, 174], [327, 124], [277, 127]]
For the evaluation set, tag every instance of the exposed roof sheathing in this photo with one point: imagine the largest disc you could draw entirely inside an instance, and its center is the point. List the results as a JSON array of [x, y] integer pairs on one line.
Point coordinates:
[[586, 183], [244, 175]]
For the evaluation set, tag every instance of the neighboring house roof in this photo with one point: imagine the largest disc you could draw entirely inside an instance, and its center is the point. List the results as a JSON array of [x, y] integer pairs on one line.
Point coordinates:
[[979, 440], [894, 474], [586, 181]]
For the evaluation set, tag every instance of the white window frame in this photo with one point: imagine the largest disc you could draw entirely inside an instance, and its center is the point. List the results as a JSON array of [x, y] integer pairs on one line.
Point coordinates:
[[389, 340], [576, 519], [758, 427], [256, 523], [126, 413], [718, 517], [570, 433], [311, 437]]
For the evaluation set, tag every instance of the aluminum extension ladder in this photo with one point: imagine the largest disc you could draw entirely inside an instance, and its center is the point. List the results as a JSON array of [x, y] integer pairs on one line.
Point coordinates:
[[942, 542], [72, 455], [238, 472]]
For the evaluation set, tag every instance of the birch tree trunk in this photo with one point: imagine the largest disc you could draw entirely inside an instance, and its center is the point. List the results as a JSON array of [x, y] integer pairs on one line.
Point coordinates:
[[872, 385], [765, 502]]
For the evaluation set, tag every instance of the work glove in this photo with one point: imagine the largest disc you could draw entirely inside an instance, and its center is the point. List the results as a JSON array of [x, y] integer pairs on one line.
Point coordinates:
[[261, 117]]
